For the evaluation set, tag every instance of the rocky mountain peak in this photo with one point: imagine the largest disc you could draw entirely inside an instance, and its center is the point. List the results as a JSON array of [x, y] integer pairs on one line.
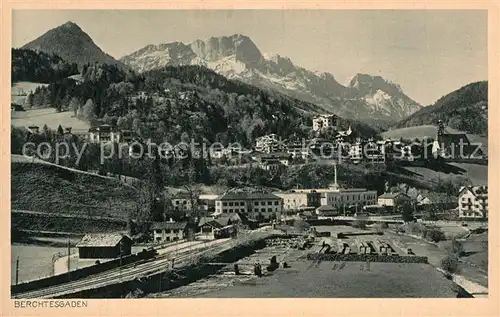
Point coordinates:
[[238, 45]]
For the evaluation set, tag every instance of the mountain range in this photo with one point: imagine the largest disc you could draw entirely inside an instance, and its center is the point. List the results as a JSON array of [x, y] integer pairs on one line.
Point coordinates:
[[237, 57], [366, 97]]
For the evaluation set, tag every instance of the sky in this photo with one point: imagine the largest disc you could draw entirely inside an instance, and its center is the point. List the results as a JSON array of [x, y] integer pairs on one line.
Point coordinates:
[[428, 53]]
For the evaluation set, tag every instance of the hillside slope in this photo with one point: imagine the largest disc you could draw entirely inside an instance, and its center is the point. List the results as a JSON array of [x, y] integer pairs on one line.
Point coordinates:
[[49, 188], [465, 109], [430, 131]]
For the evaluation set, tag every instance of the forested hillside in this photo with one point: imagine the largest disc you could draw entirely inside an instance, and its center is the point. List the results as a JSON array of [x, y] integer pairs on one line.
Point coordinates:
[[28, 65], [465, 109], [182, 102]]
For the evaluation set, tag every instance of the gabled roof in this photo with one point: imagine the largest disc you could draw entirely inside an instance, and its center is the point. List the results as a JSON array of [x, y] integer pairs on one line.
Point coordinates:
[[102, 240], [392, 195], [475, 190], [210, 221], [226, 218], [168, 225]]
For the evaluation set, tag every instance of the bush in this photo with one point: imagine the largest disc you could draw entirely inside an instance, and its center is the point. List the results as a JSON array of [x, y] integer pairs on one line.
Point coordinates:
[[435, 235], [360, 224], [450, 264], [456, 248]]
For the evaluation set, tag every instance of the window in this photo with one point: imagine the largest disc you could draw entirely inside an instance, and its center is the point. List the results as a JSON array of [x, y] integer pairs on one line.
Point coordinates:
[[176, 202], [230, 210], [230, 203], [218, 203], [184, 202], [263, 209], [175, 230], [276, 203], [242, 210], [167, 231], [262, 203], [256, 203], [269, 210], [242, 203], [224, 204]]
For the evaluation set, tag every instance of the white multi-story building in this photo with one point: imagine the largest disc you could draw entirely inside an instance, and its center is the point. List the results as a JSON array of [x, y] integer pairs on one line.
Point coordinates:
[[104, 133], [299, 199], [168, 231], [473, 202], [260, 206], [343, 197], [269, 143], [325, 121]]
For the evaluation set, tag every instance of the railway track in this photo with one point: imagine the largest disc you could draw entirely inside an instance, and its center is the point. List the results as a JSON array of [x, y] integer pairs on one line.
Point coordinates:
[[124, 273]]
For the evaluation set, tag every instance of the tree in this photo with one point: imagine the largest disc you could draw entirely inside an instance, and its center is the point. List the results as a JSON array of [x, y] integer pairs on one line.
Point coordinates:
[[74, 105], [450, 265], [407, 212], [30, 100], [88, 111], [60, 130]]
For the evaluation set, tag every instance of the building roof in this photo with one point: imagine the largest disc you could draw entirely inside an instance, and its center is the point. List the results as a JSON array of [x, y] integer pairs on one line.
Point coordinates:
[[475, 190], [102, 239], [224, 219], [392, 195], [246, 195], [210, 221], [168, 225]]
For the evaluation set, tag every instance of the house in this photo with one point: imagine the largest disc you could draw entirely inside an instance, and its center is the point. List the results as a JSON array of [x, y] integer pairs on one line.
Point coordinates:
[[325, 121], [473, 202], [356, 152], [273, 160], [297, 149], [260, 206], [104, 246], [454, 145], [16, 107], [104, 133], [168, 231], [183, 201], [269, 143], [393, 199], [33, 129], [299, 200], [327, 211], [209, 226], [127, 136]]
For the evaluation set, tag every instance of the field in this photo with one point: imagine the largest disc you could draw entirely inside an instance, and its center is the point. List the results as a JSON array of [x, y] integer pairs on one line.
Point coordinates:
[[332, 279], [53, 189], [478, 174], [34, 261], [23, 86], [50, 117], [431, 131]]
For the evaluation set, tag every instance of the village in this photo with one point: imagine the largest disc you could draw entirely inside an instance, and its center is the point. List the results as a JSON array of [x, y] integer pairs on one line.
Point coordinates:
[[205, 220]]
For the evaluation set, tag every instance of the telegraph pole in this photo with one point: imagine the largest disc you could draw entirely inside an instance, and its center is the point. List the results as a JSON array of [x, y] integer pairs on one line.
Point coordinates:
[[69, 260], [121, 255], [17, 270]]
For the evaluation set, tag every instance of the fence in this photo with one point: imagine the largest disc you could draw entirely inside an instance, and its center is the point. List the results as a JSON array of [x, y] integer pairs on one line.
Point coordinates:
[[80, 273], [366, 257]]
